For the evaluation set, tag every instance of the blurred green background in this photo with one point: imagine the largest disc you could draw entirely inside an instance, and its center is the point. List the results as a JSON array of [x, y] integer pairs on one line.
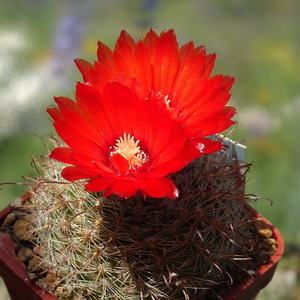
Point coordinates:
[[258, 41]]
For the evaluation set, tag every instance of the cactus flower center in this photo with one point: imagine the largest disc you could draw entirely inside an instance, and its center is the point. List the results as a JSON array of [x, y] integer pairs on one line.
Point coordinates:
[[126, 154]]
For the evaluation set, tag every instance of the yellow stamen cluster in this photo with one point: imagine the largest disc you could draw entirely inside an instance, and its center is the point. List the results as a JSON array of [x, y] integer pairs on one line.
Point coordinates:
[[129, 149]]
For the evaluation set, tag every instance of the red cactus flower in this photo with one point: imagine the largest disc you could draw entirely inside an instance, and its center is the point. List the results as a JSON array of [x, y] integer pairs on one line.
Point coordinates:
[[122, 144], [178, 79], [141, 114]]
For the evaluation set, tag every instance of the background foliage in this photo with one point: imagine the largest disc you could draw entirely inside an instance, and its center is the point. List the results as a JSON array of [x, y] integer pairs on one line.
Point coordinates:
[[257, 41]]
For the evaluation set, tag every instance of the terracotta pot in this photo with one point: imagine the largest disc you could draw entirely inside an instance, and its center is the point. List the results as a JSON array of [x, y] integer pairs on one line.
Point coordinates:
[[249, 289], [19, 287], [13, 271]]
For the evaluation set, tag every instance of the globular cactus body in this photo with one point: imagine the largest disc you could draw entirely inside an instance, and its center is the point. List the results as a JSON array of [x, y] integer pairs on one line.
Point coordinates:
[[93, 247]]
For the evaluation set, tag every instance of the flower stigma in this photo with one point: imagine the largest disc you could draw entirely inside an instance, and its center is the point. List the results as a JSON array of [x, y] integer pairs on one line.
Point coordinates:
[[129, 149]]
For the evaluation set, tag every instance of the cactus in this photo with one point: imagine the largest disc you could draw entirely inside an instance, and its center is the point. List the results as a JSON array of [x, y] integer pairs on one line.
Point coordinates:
[[142, 202], [87, 246]]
